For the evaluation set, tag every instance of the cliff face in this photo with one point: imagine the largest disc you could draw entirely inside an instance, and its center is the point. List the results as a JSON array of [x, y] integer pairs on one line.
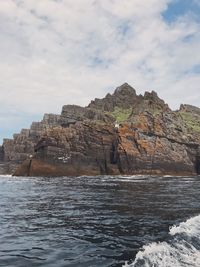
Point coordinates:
[[82, 149], [122, 133], [14, 151]]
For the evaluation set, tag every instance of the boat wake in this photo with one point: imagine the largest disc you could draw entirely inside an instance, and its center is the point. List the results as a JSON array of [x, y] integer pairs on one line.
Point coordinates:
[[182, 249]]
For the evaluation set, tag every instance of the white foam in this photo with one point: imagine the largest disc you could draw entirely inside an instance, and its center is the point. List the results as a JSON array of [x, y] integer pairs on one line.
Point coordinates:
[[5, 175], [177, 252], [191, 227]]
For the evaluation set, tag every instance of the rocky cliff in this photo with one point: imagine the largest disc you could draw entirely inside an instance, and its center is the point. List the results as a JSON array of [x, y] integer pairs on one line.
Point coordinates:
[[14, 151], [123, 133]]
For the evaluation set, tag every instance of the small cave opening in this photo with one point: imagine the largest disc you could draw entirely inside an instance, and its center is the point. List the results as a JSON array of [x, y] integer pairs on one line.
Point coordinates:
[[1, 153], [198, 165], [113, 154]]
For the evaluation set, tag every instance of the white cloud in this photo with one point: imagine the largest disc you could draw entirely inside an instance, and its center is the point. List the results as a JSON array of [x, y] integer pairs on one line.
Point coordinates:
[[58, 52]]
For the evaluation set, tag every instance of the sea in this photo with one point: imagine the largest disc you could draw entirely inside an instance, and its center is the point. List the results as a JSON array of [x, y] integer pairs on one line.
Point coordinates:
[[102, 221]]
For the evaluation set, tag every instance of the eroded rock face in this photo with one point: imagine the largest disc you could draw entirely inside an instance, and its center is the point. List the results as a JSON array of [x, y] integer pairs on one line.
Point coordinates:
[[122, 133], [94, 149], [149, 145], [145, 152], [21, 147], [82, 149]]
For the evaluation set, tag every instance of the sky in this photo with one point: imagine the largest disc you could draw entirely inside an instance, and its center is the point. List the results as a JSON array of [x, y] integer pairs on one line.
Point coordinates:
[[57, 52]]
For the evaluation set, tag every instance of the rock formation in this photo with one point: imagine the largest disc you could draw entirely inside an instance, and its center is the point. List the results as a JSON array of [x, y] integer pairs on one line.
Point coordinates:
[[124, 97], [72, 114], [14, 151], [123, 133]]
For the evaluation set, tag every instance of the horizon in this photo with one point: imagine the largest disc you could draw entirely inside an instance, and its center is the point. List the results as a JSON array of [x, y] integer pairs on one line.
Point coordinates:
[[60, 52]]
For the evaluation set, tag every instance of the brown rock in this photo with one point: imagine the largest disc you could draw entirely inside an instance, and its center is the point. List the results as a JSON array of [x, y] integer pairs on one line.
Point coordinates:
[[152, 139]]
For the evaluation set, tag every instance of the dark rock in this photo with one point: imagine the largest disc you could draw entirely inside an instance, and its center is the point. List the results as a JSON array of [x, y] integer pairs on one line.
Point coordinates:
[[150, 103], [93, 149], [1, 154], [82, 149], [150, 139], [124, 97], [71, 114], [18, 149]]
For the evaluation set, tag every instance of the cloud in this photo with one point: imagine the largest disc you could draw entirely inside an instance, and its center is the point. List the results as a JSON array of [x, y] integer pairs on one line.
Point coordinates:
[[65, 51]]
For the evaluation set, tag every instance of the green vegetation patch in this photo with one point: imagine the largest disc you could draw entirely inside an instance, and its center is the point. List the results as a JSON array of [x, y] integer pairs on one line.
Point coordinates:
[[121, 115], [192, 121]]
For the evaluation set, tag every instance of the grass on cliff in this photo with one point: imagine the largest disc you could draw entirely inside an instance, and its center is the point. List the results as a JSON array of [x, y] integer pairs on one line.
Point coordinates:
[[120, 114], [191, 121]]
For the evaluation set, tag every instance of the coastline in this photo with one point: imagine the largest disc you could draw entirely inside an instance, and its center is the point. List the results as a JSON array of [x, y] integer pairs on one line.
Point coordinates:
[[43, 169], [122, 133]]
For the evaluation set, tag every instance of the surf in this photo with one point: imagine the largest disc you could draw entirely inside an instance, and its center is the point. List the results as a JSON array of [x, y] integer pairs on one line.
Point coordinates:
[[181, 249]]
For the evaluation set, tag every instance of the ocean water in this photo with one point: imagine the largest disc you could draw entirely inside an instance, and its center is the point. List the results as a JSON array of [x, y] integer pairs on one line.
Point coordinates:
[[102, 221]]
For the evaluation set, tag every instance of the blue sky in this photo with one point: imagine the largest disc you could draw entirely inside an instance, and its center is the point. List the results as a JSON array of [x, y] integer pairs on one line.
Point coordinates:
[[63, 52], [178, 8]]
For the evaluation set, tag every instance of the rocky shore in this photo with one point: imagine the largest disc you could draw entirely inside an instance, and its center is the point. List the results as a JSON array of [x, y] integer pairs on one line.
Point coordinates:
[[123, 133]]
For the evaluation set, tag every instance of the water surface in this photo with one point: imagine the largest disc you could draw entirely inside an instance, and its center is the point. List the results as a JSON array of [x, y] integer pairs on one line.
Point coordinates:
[[98, 221]]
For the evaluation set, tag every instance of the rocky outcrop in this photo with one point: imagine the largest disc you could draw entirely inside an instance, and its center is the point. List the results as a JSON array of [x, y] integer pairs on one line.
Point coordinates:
[[72, 114], [122, 133], [94, 149], [150, 103], [84, 148], [142, 150], [124, 97], [14, 151]]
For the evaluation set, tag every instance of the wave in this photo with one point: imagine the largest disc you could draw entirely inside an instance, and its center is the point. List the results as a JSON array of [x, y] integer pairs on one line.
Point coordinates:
[[5, 175], [182, 249]]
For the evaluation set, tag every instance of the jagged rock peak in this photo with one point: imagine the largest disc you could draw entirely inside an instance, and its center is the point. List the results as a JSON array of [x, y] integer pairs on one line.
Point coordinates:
[[153, 98], [124, 97], [125, 89], [152, 95]]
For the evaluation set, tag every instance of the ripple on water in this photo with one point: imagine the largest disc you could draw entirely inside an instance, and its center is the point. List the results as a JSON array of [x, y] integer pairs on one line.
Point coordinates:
[[94, 221]]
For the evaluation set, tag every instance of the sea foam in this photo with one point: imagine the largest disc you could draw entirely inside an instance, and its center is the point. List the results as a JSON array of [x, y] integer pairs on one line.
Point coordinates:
[[182, 249]]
